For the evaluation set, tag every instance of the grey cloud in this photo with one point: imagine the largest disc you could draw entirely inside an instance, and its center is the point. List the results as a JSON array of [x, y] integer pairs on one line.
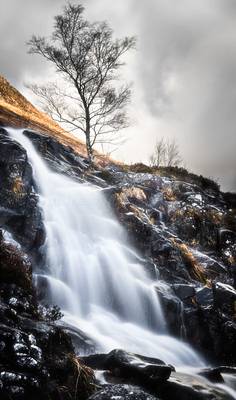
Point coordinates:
[[190, 78], [19, 20]]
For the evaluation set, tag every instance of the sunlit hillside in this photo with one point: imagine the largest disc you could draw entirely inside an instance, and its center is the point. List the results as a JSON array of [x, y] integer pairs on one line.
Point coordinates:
[[17, 111]]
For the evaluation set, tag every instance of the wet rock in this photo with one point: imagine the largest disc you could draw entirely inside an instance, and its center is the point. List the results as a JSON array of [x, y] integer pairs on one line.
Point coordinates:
[[82, 343], [19, 211], [204, 296], [226, 238], [212, 374], [184, 291], [122, 392], [224, 297], [172, 309], [134, 368], [190, 387], [36, 358], [61, 158]]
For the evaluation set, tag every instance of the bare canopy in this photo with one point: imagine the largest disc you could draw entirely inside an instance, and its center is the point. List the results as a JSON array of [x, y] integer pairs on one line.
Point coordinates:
[[88, 57], [165, 154]]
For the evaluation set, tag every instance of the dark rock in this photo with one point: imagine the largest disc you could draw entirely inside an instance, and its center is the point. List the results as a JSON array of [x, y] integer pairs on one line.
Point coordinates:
[[204, 296], [37, 358], [19, 211], [190, 387], [82, 343], [172, 309], [206, 329], [226, 237], [144, 371], [224, 297], [212, 374], [184, 291], [122, 392]]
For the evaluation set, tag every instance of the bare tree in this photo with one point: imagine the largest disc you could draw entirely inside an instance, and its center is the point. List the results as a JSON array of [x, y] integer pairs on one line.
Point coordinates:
[[88, 58], [166, 154], [159, 154], [173, 158]]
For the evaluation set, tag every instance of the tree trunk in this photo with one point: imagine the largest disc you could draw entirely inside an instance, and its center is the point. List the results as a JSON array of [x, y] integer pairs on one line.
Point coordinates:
[[88, 137], [89, 149]]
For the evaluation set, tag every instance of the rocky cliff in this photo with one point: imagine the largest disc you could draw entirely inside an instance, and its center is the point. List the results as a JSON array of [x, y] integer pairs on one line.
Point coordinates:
[[181, 224]]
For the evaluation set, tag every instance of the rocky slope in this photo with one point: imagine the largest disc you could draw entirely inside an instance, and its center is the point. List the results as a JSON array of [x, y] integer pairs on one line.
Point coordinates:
[[184, 228]]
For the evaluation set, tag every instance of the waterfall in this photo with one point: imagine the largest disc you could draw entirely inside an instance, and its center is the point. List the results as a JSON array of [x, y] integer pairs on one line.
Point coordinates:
[[94, 275]]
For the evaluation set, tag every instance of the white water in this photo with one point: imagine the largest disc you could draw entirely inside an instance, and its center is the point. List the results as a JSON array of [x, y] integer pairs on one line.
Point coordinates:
[[96, 279]]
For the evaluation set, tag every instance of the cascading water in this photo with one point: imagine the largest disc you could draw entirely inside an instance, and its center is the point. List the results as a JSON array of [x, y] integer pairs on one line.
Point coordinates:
[[99, 282]]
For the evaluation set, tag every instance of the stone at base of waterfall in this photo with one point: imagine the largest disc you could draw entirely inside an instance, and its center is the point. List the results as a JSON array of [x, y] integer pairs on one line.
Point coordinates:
[[128, 367], [187, 386], [122, 392]]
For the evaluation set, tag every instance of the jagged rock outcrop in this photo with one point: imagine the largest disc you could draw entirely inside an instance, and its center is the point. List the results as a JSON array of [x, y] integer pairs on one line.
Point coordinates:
[[37, 358], [178, 226], [185, 230], [19, 210]]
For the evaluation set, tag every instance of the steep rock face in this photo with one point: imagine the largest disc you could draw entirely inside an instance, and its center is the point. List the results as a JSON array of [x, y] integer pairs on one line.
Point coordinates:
[[36, 358], [186, 231], [20, 213], [186, 234]]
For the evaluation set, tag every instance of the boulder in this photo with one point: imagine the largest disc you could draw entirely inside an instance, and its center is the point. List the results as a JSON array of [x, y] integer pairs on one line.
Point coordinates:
[[204, 296], [190, 387], [134, 368], [184, 291], [122, 392], [224, 297], [212, 374]]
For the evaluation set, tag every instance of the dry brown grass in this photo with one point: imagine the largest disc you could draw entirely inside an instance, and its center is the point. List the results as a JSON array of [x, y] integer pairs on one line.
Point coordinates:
[[18, 112], [196, 268], [212, 216], [168, 194], [126, 195], [84, 379], [17, 186]]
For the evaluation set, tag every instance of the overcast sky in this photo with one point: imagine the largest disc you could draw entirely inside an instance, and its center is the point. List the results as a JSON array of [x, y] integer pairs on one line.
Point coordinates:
[[183, 72]]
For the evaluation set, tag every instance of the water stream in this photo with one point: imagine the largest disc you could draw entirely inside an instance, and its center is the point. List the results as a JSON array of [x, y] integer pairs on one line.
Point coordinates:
[[95, 277]]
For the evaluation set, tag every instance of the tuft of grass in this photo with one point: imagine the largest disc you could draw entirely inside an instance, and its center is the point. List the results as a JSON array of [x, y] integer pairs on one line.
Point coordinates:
[[196, 269], [84, 384], [168, 194], [17, 186]]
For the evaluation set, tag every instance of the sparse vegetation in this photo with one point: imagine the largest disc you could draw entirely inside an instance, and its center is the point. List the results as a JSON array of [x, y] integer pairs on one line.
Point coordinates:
[[168, 194], [17, 187], [195, 269], [165, 154], [177, 173]]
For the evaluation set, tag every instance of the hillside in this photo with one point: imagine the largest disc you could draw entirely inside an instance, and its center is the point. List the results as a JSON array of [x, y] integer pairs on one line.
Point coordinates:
[[17, 111]]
